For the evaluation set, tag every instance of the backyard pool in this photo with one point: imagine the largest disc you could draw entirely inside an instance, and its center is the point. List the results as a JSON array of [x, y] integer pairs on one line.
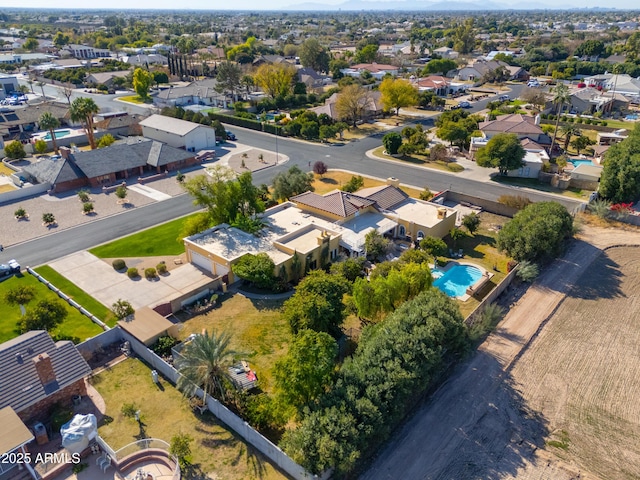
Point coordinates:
[[582, 162], [632, 116], [58, 133], [455, 281]]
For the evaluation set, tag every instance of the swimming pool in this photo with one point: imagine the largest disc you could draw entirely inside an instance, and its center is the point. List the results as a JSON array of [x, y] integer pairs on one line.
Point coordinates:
[[455, 281], [58, 134], [631, 116], [582, 162]]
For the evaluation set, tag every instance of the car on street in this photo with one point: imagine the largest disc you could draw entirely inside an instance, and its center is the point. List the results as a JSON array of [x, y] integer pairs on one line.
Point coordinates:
[[230, 136], [9, 268], [504, 98], [533, 83], [464, 105]]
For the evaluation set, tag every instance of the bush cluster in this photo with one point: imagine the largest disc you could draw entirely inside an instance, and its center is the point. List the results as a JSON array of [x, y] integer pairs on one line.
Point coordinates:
[[132, 272], [119, 264]]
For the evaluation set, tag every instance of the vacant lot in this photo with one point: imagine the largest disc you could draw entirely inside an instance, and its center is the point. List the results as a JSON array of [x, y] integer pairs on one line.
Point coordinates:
[[582, 372], [217, 452]]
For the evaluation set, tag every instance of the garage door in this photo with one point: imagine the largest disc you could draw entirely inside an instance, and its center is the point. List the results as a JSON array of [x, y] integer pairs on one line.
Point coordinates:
[[201, 261], [221, 269]]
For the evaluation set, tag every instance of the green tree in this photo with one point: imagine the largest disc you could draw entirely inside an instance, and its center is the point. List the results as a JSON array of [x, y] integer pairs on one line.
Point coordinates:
[[620, 179], [350, 268], [317, 303], [40, 146], [376, 245], [20, 295], [306, 371], [82, 110], [292, 182], [398, 93], [590, 48], [49, 122], [160, 77], [537, 232], [568, 130], [581, 142], [439, 65], [31, 44], [433, 246], [355, 183], [454, 133], [471, 222], [106, 140], [46, 315], [204, 362], [503, 151], [464, 37], [456, 234], [142, 80], [122, 309], [314, 55], [560, 98], [392, 142], [60, 39], [257, 269], [352, 103], [14, 149], [229, 78], [367, 54]]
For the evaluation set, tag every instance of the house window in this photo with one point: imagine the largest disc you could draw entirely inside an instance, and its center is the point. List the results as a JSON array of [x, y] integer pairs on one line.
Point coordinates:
[[334, 254], [420, 235], [401, 231]]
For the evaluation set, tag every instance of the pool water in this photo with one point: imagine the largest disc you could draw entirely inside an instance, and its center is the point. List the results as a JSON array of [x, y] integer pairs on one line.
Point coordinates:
[[632, 116], [58, 134], [455, 281], [582, 162]]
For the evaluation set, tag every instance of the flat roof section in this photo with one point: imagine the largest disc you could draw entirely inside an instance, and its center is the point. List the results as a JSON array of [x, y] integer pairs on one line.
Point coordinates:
[[422, 213], [15, 432], [305, 240]]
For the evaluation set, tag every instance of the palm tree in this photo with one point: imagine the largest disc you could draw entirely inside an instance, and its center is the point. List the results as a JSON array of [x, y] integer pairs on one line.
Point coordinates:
[[568, 131], [560, 97], [82, 110], [49, 122], [204, 362]]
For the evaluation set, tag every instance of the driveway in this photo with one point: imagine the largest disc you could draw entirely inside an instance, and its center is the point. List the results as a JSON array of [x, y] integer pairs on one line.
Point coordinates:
[[102, 282]]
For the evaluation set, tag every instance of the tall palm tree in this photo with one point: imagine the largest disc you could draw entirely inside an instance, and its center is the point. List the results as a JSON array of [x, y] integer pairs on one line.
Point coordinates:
[[49, 122], [82, 110], [560, 97], [568, 131], [204, 363]]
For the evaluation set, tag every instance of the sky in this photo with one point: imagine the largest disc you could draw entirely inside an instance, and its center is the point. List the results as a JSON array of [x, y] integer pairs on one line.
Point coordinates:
[[271, 5]]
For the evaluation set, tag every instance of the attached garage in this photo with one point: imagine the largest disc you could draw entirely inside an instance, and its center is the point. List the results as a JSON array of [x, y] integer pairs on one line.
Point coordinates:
[[220, 269], [201, 261]]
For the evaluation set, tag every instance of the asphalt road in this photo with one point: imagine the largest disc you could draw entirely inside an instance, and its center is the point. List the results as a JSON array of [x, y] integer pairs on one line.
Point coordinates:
[[350, 157]]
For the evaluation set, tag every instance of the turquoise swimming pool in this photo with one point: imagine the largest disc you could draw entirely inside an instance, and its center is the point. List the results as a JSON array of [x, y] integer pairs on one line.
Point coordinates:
[[455, 281], [582, 162], [58, 134]]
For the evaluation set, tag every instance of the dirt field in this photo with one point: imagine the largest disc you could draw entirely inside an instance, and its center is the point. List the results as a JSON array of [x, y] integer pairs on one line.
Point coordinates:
[[552, 394]]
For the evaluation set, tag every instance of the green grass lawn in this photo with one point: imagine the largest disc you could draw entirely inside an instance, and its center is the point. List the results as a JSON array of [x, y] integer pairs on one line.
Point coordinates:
[[135, 99], [75, 325], [216, 451], [536, 184], [79, 295], [156, 241]]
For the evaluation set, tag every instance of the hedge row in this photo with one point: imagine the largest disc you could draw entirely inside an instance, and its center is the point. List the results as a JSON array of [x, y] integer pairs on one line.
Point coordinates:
[[247, 123]]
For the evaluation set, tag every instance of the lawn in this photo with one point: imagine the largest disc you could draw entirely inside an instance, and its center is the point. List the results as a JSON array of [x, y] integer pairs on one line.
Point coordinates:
[[135, 99], [75, 325], [79, 295], [217, 452], [257, 328], [536, 184], [156, 241], [7, 187], [335, 179], [422, 160]]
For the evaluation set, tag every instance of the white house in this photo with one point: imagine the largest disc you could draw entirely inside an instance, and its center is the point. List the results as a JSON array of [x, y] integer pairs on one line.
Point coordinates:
[[8, 85], [179, 133], [84, 51]]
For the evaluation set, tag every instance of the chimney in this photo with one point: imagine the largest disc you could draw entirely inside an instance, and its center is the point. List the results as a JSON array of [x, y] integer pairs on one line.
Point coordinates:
[[44, 368], [64, 152], [393, 181]]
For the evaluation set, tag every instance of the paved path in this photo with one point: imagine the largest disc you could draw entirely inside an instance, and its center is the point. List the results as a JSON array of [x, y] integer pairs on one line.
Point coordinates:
[[473, 426]]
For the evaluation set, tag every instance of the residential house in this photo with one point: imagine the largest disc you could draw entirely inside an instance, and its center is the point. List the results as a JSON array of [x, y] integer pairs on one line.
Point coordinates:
[[440, 85], [202, 92], [13, 444], [106, 78], [277, 59], [446, 52], [84, 51], [38, 373], [143, 60], [475, 71], [588, 101], [13, 58], [311, 229], [19, 124], [373, 108], [179, 133], [524, 126], [137, 156], [119, 123], [622, 84], [377, 70], [313, 79], [610, 138], [8, 85]]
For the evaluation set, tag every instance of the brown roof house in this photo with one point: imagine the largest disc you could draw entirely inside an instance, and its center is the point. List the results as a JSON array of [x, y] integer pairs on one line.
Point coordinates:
[[38, 373]]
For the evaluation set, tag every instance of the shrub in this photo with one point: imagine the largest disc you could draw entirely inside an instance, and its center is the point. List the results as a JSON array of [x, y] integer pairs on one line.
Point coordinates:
[[20, 213], [87, 207], [515, 201], [179, 177], [161, 268], [528, 271], [83, 195], [119, 264], [132, 272], [129, 410], [150, 273], [48, 218], [600, 207], [40, 146], [354, 184], [392, 142], [14, 150], [121, 192], [163, 345]]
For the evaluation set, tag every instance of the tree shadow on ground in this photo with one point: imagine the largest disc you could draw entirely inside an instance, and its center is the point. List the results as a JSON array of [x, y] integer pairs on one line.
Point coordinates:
[[490, 430], [601, 279]]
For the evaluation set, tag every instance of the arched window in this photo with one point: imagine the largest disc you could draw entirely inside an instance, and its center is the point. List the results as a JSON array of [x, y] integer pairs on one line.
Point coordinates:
[[401, 231], [420, 235]]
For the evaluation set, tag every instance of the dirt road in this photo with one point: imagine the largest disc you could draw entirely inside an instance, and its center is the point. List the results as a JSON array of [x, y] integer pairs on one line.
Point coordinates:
[[478, 425]]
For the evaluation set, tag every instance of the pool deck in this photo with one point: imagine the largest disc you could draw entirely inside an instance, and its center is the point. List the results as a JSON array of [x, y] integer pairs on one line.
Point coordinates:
[[486, 277]]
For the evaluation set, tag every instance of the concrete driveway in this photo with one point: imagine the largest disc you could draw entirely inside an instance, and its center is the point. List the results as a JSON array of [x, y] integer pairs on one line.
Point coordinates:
[[102, 282]]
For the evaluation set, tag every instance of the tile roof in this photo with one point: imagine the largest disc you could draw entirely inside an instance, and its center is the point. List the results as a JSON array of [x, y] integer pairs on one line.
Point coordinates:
[[54, 171], [342, 204], [20, 386], [513, 123], [385, 196]]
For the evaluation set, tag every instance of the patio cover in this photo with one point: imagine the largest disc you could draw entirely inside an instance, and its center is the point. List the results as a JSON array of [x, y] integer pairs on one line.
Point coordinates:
[[14, 432], [147, 325]]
